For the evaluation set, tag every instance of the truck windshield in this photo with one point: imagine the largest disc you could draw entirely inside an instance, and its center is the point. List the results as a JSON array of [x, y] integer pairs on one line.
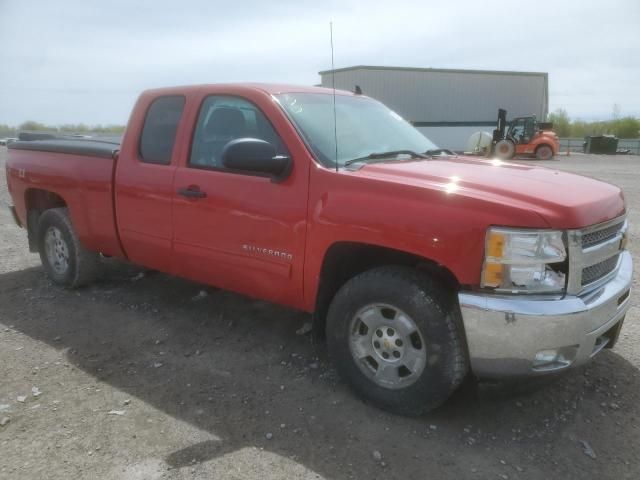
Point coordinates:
[[364, 126]]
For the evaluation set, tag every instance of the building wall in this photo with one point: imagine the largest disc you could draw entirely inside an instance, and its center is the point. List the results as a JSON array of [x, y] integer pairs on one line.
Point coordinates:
[[454, 138], [448, 105]]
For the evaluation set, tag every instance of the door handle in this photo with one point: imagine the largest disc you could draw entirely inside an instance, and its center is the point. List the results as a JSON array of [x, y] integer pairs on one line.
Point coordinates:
[[192, 191]]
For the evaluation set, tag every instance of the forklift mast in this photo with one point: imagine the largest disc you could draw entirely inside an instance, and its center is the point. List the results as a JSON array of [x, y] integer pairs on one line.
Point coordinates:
[[499, 132]]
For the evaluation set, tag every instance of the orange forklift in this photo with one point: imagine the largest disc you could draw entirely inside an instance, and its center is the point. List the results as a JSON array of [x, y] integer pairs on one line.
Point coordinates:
[[524, 136]]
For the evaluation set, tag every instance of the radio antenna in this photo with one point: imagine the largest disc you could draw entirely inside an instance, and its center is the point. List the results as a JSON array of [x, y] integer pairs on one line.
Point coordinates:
[[333, 85]]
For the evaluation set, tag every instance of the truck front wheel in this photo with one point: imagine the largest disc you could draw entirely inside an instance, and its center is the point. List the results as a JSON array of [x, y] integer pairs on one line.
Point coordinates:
[[505, 149], [393, 335], [64, 259]]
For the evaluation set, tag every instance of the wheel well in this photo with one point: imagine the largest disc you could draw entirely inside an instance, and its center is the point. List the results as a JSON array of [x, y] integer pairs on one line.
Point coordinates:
[[345, 260], [36, 202]]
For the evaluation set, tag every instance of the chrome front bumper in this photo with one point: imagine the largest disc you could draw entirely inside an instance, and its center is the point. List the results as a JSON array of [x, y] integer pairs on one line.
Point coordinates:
[[515, 336]]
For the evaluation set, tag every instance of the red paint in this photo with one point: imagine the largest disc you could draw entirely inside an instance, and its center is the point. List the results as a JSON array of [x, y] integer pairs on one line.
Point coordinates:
[[268, 240], [542, 137]]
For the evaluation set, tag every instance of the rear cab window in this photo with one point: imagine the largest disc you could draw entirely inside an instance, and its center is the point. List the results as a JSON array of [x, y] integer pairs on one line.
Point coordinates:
[[160, 128]]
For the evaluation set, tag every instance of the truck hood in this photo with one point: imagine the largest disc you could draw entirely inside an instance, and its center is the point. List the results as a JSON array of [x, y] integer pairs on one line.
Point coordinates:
[[564, 200]]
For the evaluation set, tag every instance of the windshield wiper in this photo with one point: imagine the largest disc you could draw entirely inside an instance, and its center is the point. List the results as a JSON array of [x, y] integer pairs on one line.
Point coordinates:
[[381, 155], [438, 151]]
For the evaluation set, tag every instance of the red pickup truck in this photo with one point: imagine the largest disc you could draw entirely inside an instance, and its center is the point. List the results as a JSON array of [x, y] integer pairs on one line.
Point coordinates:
[[420, 266]]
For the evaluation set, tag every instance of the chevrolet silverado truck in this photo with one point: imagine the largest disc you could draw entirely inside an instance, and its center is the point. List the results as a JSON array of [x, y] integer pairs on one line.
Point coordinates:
[[420, 267]]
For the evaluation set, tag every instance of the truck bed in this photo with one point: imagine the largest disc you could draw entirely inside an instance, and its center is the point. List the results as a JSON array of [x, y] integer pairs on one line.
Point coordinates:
[[99, 147], [78, 170]]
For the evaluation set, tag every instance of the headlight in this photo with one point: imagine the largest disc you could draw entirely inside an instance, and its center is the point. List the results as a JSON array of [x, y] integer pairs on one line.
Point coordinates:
[[524, 261]]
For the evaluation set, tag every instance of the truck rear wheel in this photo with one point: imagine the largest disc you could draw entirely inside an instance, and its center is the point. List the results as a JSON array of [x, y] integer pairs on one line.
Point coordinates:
[[64, 259], [393, 335], [544, 152]]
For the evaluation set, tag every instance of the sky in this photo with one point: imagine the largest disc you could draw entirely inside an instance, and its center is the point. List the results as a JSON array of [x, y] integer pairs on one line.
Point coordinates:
[[85, 61]]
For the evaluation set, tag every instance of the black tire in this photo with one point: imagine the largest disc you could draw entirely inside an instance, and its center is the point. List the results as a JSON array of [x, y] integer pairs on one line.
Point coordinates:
[[437, 319], [82, 266], [505, 149], [544, 152]]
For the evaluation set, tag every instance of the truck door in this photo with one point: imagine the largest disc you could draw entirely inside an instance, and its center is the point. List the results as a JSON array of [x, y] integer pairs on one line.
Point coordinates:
[[144, 181], [235, 230]]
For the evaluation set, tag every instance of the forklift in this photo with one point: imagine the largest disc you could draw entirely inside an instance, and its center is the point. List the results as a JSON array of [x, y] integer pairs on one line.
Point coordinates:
[[524, 136]]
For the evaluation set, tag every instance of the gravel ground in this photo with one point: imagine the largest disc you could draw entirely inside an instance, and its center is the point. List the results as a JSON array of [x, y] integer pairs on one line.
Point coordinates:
[[142, 376]]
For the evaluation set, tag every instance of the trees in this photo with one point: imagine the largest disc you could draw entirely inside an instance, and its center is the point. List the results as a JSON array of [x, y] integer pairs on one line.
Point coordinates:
[[7, 131], [77, 128], [35, 126], [561, 122], [626, 127]]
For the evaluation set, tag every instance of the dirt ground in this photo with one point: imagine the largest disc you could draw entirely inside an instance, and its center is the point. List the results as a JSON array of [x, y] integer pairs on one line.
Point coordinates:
[[142, 376]]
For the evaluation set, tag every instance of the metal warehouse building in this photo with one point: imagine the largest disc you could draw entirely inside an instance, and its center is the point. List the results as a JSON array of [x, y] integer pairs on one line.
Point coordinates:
[[448, 105]]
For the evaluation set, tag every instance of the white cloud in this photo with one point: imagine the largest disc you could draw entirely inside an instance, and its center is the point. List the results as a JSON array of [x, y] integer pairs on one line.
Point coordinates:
[[75, 61]]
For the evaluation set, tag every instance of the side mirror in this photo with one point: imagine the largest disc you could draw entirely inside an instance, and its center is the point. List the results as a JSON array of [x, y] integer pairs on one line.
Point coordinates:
[[256, 156]]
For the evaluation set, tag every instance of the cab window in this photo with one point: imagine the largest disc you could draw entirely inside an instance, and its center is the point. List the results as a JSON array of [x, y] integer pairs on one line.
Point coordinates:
[[225, 118], [517, 130], [159, 130]]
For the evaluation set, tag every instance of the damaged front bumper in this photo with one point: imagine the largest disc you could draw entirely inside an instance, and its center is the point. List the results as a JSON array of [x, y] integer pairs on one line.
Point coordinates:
[[516, 336]]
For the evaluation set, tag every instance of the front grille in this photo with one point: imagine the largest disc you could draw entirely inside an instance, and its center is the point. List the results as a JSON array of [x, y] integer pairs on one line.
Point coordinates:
[[599, 236], [593, 254], [599, 270]]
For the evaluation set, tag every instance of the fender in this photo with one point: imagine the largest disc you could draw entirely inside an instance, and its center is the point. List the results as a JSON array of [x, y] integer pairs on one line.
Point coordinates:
[[440, 226]]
